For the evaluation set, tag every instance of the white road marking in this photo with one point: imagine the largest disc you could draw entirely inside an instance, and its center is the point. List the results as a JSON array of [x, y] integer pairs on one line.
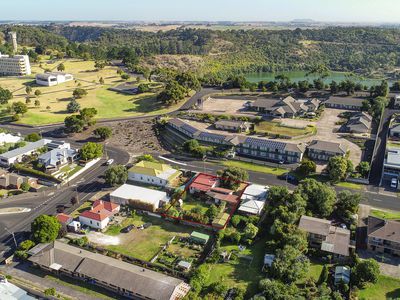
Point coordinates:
[[173, 161]]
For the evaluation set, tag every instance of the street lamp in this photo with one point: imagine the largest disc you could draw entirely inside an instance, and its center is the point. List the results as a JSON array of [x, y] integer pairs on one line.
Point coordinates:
[[12, 233]]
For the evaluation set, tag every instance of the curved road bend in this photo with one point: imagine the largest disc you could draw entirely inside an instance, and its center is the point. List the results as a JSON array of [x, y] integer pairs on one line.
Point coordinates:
[[46, 202]]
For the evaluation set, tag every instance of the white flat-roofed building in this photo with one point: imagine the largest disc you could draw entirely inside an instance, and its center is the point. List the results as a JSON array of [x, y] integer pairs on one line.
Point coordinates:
[[6, 138], [253, 199], [139, 197], [17, 65], [53, 78], [10, 157], [9, 291]]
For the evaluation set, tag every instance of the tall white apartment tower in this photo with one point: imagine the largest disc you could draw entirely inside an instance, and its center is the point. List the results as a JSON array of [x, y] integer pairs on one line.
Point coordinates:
[[13, 36]]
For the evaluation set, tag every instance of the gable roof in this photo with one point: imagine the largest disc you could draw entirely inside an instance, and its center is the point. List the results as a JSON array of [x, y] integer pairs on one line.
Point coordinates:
[[63, 218], [154, 169], [28, 148], [384, 229], [326, 146], [345, 101], [147, 283], [315, 225], [100, 211]]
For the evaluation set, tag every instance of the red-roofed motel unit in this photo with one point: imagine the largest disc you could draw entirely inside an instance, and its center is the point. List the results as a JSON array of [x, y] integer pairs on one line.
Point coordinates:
[[206, 187], [100, 214]]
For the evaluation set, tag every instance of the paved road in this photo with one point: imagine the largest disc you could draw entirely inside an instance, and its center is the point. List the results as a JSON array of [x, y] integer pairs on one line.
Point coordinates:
[[373, 198], [46, 202]]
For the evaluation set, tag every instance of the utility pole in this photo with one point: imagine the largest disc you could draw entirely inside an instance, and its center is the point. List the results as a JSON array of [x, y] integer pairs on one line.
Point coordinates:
[[12, 233]]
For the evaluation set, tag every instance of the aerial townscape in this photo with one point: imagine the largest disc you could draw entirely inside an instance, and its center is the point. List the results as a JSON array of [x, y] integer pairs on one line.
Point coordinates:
[[256, 158]]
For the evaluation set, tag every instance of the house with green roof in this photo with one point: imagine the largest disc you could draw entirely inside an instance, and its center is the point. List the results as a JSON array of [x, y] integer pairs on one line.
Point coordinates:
[[153, 173]]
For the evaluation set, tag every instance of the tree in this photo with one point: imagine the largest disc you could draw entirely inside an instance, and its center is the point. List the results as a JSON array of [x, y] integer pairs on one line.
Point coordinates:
[[289, 265], [200, 278], [320, 197], [250, 231], [334, 87], [363, 168], [339, 167], [188, 81], [365, 271], [73, 106], [125, 76], [143, 88], [116, 175], [307, 167], [5, 95], [146, 157], [61, 67], [212, 212], [19, 108], [277, 290], [323, 277], [347, 205], [91, 151], [25, 187], [28, 89], [32, 137], [74, 200], [45, 229], [37, 103], [50, 292], [87, 114], [378, 106], [99, 64], [38, 93], [74, 124], [101, 80], [79, 93], [26, 245], [172, 93], [103, 132], [232, 176]]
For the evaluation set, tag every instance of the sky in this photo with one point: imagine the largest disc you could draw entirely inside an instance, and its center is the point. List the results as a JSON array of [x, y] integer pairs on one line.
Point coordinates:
[[202, 10]]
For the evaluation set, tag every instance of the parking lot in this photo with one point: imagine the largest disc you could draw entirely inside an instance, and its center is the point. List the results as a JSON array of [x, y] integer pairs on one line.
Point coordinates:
[[225, 106]]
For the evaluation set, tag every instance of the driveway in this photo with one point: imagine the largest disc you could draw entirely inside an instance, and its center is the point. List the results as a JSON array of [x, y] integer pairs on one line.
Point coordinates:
[[326, 131]]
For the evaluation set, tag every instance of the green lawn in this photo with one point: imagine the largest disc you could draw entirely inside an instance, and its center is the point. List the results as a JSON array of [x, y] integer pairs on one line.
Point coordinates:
[[385, 288], [144, 244], [275, 128], [254, 167], [350, 185], [242, 273], [54, 100], [390, 214]]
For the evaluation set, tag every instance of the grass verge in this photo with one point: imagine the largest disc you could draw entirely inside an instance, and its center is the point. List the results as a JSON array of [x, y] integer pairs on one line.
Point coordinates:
[[254, 167], [389, 215], [350, 185]]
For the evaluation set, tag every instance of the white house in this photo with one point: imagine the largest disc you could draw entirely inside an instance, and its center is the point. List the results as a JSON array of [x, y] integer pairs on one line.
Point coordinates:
[[253, 199], [139, 197], [53, 78], [153, 173], [100, 214], [6, 138], [10, 157], [55, 158]]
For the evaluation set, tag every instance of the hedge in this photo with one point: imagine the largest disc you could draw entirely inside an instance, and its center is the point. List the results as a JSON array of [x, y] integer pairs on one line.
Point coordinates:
[[34, 172]]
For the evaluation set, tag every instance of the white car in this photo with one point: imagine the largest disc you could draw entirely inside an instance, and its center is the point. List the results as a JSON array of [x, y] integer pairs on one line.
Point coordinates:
[[393, 183], [109, 162]]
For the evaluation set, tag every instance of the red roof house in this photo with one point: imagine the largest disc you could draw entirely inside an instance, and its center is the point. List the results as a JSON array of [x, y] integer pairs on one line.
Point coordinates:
[[100, 214]]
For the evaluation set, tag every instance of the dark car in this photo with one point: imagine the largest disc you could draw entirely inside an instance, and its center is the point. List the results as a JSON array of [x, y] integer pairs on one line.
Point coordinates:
[[288, 177], [146, 225], [127, 228]]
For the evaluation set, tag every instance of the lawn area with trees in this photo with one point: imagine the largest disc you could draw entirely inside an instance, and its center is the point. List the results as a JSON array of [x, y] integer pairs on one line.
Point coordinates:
[[88, 93]]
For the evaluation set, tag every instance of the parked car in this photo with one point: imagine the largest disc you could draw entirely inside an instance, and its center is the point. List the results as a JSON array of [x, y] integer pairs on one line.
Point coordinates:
[[109, 162], [393, 183], [146, 225], [289, 178], [127, 228]]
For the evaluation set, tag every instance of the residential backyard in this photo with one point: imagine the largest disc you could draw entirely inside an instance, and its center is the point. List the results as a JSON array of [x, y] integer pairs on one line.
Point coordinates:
[[145, 243], [54, 100]]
